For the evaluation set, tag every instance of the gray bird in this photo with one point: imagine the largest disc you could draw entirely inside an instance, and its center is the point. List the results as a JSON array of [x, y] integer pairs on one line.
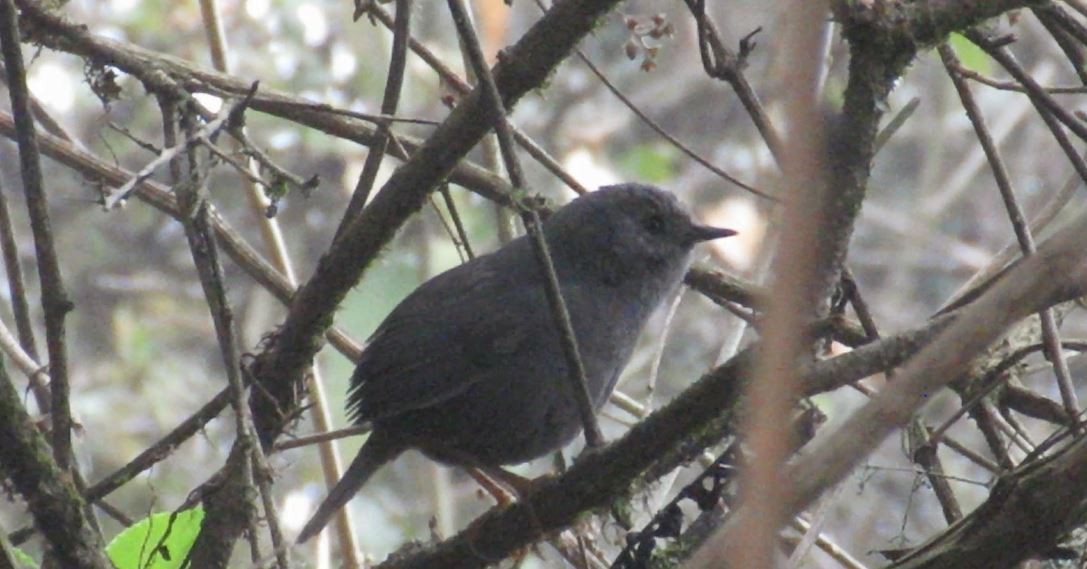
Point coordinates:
[[469, 367]]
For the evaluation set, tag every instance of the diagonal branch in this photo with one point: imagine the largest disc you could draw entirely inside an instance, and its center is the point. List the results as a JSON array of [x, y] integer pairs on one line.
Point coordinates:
[[1023, 234], [1058, 272], [278, 370], [152, 68], [1046, 495], [55, 302], [53, 499], [196, 220], [394, 86], [673, 435]]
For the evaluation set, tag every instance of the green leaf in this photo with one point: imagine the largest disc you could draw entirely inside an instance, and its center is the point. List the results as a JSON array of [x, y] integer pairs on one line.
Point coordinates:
[[22, 560], [971, 56], [156, 542], [653, 163]]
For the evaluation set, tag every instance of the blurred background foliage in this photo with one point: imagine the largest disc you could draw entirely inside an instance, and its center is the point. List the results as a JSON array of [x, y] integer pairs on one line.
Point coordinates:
[[142, 348]]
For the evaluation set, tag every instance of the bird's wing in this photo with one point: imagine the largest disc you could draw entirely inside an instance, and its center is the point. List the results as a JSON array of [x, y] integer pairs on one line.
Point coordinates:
[[449, 333]]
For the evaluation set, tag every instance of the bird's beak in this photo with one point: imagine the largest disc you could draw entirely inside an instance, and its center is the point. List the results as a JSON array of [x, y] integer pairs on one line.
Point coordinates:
[[701, 233]]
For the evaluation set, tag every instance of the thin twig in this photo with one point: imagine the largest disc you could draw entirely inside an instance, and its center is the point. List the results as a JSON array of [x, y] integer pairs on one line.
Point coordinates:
[[322, 437], [20, 307], [990, 381], [1039, 222], [1066, 33], [657, 127], [652, 124], [26, 364], [205, 252], [721, 63], [200, 136], [658, 353], [240, 167], [1017, 87], [531, 218], [1050, 333], [279, 173], [1036, 92], [370, 117], [835, 551], [273, 279], [55, 302], [971, 455], [461, 238], [1069, 33], [896, 122], [161, 449], [492, 160], [921, 450], [394, 86], [463, 88]]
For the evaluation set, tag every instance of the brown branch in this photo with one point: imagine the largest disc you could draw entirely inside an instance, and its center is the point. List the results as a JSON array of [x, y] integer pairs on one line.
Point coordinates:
[[149, 67], [54, 501], [1057, 273], [20, 307], [158, 196], [161, 449], [1014, 86], [1050, 333], [55, 302], [1037, 93], [394, 86], [196, 220], [722, 63], [922, 449], [799, 261], [1034, 405], [1026, 513], [1066, 32]]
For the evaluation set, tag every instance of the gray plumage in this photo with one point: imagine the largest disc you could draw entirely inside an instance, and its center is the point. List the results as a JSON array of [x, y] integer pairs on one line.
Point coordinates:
[[469, 368]]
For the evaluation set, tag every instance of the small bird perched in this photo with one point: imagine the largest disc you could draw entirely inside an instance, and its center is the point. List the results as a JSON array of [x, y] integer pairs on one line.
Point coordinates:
[[469, 368]]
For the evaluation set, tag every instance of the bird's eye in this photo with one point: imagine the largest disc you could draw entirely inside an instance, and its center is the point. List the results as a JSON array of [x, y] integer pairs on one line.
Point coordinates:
[[654, 223]]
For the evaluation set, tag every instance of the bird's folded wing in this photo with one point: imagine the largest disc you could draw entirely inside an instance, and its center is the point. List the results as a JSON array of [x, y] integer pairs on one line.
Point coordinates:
[[451, 332]]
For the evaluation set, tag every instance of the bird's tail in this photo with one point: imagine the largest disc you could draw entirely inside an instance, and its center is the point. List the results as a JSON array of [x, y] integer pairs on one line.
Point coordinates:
[[375, 452]]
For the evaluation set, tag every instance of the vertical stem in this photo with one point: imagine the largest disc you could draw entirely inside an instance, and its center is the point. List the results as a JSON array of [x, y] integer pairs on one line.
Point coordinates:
[[55, 302], [394, 85], [531, 218], [794, 300], [20, 308]]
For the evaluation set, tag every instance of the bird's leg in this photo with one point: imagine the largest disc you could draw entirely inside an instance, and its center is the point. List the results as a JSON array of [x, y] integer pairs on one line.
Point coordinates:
[[493, 485], [504, 485], [515, 482]]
